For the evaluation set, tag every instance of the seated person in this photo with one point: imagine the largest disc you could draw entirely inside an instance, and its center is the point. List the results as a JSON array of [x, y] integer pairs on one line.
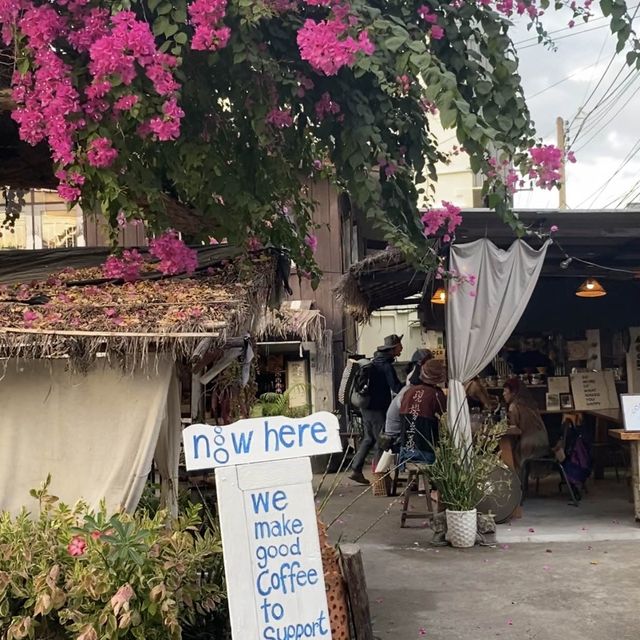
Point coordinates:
[[523, 413], [478, 397], [393, 422], [421, 407]]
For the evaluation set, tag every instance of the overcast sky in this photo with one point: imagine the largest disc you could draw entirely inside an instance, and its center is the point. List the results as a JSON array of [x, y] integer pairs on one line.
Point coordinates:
[[610, 135]]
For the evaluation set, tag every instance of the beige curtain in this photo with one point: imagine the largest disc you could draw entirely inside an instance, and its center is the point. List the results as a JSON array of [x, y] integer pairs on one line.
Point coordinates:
[[478, 326], [167, 455], [96, 434]]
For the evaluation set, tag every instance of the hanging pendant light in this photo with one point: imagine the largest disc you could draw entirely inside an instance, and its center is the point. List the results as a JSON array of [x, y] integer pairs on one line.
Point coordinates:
[[591, 288], [439, 297]]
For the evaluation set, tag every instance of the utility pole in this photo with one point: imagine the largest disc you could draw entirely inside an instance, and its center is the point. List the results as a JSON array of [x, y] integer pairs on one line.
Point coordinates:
[[562, 197]]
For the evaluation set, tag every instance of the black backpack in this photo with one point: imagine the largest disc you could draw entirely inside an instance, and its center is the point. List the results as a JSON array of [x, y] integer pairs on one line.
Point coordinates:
[[360, 396], [355, 384]]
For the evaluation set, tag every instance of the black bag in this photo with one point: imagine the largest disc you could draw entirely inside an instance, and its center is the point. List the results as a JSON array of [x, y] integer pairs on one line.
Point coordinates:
[[360, 394]]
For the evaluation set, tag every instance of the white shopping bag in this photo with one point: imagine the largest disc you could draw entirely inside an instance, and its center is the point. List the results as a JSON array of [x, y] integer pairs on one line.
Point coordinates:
[[386, 462]]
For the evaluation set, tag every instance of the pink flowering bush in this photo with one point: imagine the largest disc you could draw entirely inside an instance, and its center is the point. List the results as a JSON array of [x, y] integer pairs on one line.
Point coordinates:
[[126, 268], [328, 46], [442, 222], [211, 115], [456, 280], [174, 255], [95, 576]]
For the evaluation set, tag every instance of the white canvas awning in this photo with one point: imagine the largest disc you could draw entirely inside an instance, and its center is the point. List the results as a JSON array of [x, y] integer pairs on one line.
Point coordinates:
[[96, 434]]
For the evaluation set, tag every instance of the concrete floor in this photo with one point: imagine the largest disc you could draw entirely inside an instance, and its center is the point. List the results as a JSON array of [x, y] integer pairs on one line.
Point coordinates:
[[585, 585]]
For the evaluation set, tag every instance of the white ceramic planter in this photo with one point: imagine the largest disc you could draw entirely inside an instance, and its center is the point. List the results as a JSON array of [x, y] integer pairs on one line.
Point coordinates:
[[462, 527]]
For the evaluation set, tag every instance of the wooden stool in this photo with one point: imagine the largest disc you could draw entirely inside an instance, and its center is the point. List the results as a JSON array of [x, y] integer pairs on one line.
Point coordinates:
[[414, 475]]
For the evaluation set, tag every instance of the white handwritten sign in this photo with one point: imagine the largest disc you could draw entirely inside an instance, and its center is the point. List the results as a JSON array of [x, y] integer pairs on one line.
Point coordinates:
[[260, 440], [594, 390], [275, 580]]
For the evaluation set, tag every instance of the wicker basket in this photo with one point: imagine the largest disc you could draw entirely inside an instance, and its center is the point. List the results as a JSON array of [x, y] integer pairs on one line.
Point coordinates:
[[380, 481]]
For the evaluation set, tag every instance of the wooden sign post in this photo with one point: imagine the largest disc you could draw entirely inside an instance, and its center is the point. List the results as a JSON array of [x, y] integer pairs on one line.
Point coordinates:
[[275, 581]]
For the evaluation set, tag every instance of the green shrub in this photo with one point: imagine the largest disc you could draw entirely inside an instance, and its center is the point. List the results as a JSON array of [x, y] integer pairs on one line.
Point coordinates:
[[70, 573]]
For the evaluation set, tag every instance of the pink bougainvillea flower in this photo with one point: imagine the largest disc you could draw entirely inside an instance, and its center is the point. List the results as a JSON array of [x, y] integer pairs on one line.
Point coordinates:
[[29, 317], [254, 243], [101, 153], [280, 118], [206, 16], [327, 46], [553, 228], [311, 241], [437, 32], [126, 268], [174, 255], [77, 546], [447, 218], [96, 535], [326, 106], [126, 103]]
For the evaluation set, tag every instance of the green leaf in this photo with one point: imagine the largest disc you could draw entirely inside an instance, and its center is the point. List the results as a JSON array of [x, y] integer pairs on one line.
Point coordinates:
[[181, 38], [159, 25], [394, 43], [448, 117]]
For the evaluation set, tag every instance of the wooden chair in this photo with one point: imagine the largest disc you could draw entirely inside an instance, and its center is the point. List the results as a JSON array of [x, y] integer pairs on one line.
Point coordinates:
[[415, 473]]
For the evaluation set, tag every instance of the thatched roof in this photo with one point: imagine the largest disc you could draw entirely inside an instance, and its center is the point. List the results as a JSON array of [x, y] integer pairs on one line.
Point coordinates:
[[306, 325], [381, 279], [78, 314]]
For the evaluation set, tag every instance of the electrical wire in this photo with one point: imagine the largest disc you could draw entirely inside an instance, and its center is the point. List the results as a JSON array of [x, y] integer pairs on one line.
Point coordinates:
[[555, 84], [602, 77], [568, 258], [604, 42], [568, 35], [572, 29], [630, 195], [609, 119], [610, 96], [591, 197]]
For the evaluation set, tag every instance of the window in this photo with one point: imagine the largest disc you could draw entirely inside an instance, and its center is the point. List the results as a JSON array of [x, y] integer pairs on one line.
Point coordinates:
[[44, 223]]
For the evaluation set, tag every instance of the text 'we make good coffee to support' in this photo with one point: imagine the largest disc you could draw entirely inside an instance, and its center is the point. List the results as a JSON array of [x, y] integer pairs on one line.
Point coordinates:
[[270, 539]]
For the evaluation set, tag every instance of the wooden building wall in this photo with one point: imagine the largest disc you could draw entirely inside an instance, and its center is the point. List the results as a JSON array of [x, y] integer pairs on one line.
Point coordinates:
[[96, 235], [334, 257]]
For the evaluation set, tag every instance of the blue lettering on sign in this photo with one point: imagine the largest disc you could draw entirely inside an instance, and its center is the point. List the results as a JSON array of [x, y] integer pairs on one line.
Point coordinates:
[[318, 428], [261, 500], [288, 436], [316, 629], [196, 441], [242, 444]]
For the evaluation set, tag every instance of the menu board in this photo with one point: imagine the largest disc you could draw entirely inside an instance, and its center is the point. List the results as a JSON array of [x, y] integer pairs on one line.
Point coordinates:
[[594, 390]]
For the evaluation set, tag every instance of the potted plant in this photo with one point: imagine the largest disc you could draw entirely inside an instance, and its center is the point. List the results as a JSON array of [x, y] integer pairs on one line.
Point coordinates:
[[461, 474]]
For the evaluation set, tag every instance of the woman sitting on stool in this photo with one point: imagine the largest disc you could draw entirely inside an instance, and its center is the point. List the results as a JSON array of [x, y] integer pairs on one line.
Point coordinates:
[[421, 407]]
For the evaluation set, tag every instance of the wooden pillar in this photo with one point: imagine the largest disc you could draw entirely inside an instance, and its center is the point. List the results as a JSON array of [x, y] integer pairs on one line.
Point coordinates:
[[353, 572], [635, 478]]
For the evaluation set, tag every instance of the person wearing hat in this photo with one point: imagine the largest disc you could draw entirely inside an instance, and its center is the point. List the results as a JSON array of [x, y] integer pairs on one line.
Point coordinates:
[[393, 422], [384, 384], [421, 408]]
